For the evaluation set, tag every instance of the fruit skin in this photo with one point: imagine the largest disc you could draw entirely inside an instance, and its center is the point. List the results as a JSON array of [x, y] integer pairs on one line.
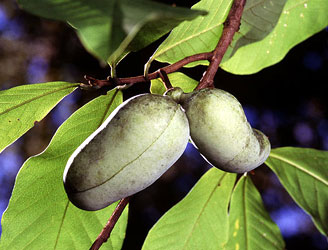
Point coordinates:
[[136, 144], [220, 131]]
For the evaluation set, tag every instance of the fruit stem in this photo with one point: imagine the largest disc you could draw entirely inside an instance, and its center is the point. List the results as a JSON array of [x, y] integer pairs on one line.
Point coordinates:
[[105, 233], [165, 79]]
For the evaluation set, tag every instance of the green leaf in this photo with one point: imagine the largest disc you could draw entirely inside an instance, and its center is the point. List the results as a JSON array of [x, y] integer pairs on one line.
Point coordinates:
[[197, 36], [304, 174], [299, 20], [200, 220], [22, 106], [39, 215], [250, 224], [111, 28], [177, 79]]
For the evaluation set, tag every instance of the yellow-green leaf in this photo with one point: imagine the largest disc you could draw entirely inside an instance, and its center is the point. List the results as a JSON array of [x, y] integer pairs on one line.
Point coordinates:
[[177, 79], [200, 220], [250, 224], [22, 106], [39, 215]]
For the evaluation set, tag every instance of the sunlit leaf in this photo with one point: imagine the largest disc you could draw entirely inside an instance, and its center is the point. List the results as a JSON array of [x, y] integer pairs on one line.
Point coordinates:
[[197, 36], [304, 174], [259, 19], [22, 106], [200, 220], [39, 215], [111, 28], [177, 79], [250, 224], [299, 20], [269, 29]]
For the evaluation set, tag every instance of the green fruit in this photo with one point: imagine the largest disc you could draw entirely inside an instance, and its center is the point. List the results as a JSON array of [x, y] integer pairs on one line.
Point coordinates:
[[220, 131], [136, 144]]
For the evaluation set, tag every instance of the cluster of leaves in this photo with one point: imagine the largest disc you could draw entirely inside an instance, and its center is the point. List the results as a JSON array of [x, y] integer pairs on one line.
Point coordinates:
[[227, 214]]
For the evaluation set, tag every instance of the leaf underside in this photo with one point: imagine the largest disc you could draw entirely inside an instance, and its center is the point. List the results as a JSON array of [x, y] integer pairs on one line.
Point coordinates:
[[109, 29]]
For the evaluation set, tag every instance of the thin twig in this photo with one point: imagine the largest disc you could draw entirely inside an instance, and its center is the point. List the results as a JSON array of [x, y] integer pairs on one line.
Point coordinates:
[[105, 233], [231, 25], [136, 79]]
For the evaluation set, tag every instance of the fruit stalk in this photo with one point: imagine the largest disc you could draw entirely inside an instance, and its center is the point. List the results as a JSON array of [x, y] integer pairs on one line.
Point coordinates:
[[105, 233]]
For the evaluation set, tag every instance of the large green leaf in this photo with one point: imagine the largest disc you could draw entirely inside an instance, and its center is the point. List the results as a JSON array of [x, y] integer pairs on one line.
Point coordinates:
[[22, 106], [299, 20], [197, 36], [177, 79], [250, 224], [304, 174], [259, 18], [200, 220], [39, 215], [269, 29], [108, 27]]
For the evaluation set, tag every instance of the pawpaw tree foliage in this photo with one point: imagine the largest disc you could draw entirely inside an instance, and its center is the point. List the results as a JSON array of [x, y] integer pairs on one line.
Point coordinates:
[[229, 212]]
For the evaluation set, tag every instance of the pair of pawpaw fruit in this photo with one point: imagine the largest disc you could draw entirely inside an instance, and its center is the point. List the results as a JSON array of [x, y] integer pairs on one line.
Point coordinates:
[[146, 134]]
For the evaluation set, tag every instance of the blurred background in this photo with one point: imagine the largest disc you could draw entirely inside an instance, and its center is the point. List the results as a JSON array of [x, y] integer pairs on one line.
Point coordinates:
[[287, 101]]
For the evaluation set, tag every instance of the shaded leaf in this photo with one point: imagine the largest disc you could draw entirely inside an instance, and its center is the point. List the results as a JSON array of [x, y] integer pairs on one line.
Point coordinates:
[[200, 220], [39, 215], [177, 79], [107, 28], [250, 224], [196, 36], [22, 106], [299, 20], [304, 174]]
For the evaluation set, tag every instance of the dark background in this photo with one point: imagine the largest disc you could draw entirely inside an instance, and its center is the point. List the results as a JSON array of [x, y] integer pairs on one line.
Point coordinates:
[[287, 101]]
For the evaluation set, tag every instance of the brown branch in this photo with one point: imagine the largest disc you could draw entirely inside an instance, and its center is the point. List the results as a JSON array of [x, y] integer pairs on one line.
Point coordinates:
[[231, 25], [105, 233], [93, 82]]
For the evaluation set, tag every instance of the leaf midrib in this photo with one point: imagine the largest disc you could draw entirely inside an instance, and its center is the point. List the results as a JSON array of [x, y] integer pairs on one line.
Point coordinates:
[[299, 167], [61, 224], [201, 212], [37, 97]]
